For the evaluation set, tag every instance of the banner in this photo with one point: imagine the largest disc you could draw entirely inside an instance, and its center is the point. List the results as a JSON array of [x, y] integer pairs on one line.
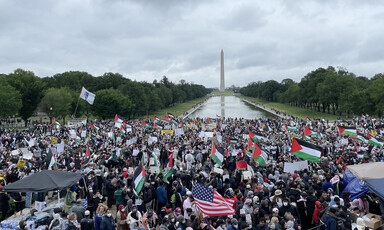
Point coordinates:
[[168, 132]]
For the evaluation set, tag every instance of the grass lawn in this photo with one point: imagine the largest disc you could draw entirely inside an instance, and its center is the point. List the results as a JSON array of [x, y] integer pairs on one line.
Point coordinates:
[[293, 110], [225, 93], [178, 109]]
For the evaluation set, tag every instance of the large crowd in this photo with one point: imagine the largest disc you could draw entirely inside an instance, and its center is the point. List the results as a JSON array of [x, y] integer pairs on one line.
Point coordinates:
[[270, 199]]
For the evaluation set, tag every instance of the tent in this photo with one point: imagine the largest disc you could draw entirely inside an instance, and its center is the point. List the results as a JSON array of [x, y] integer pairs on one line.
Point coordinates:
[[46, 180], [363, 177]]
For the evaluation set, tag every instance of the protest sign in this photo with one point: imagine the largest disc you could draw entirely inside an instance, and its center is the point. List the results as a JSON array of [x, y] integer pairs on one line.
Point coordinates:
[[299, 165]]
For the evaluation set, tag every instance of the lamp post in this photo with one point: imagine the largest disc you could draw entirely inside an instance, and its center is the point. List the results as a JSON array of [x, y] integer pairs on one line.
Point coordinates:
[[50, 114]]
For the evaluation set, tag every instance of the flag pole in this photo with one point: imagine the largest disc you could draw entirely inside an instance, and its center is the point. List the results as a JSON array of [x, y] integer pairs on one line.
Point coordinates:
[[77, 104]]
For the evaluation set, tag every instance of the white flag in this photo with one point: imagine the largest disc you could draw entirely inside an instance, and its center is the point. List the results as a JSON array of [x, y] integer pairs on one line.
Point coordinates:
[[88, 96]]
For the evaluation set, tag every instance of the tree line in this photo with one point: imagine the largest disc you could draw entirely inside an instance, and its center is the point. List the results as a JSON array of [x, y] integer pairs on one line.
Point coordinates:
[[23, 93], [326, 90]]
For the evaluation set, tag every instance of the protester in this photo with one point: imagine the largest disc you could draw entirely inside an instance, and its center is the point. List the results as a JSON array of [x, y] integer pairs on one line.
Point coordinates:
[[271, 198]]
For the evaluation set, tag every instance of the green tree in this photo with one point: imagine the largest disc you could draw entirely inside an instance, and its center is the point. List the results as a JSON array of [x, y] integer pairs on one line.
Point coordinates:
[[31, 89], [109, 102], [10, 102], [57, 103]]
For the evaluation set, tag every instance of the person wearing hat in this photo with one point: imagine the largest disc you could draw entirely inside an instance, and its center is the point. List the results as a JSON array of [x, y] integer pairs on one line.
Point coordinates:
[[277, 198], [87, 222], [189, 203], [234, 225]]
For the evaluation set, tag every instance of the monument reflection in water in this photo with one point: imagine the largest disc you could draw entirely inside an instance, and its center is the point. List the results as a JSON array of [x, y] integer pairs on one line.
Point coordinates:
[[229, 106]]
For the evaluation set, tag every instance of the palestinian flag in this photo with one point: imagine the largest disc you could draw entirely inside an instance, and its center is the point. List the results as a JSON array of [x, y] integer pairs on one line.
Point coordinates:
[[359, 138], [52, 160], [113, 134], [86, 159], [170, 116], [232, 141], [94, 128], [256, 151], [262, 159], [241, 165], [308, 132], [250, 144], [155, 118], [55, 122], [158, 127], [347, 130], [290, 128], [169, 170], [172, 121], [122, 131], [218, 116], [374, 141], [217, 154], [182, 125], [139, 178], [78, 139], [306, 150], [256, 137], [147, 126], [118, 120]]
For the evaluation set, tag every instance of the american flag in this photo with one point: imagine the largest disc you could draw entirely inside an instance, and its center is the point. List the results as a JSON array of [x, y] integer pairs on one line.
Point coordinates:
[[211, 203]]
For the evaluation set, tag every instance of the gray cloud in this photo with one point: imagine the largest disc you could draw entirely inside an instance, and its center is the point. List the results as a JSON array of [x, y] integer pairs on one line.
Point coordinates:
[[145, 40]]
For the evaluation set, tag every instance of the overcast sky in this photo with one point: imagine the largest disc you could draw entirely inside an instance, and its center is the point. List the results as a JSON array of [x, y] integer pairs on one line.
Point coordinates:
[[182, 39]]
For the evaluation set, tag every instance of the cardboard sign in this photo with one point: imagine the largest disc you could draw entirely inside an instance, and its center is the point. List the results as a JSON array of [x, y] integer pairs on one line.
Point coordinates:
[[20, 164]]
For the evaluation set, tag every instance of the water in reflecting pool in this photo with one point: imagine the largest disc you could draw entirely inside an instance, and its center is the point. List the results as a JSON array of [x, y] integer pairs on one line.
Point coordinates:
[[229, 106]]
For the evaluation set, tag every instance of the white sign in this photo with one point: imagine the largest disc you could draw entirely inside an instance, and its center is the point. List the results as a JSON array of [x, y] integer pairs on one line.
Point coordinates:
[[72, 133], [155, 169], [202, 134], [179, 132], [135, 152], [219, 171], [60, 147], [291, 167], [219, 138], [209, 134], [247, 175], [131, 141], [15, 152], [27, 155], [83, 133]]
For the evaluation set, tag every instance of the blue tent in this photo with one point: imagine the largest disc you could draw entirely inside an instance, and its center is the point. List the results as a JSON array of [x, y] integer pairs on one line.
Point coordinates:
[[358, 179]]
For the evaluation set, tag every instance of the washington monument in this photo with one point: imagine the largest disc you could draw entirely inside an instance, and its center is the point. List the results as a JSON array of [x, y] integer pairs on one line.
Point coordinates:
[[222, 85]]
